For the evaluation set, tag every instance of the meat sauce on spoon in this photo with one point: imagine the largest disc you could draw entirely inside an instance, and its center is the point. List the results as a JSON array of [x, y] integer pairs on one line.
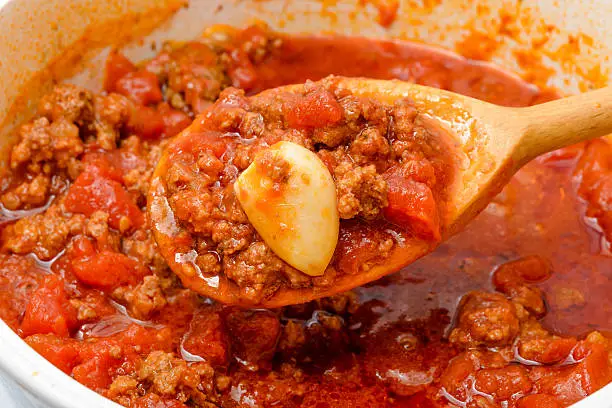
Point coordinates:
[[305, 191]]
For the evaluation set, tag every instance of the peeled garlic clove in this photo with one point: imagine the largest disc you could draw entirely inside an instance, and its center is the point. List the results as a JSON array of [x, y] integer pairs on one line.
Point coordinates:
[[289, 197]]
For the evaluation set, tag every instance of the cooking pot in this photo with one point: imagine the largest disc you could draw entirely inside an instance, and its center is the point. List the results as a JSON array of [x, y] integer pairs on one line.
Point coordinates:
[[42, 41]]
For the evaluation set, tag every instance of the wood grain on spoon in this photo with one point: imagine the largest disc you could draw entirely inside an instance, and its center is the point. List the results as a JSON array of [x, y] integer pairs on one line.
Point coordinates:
[[492, 143]]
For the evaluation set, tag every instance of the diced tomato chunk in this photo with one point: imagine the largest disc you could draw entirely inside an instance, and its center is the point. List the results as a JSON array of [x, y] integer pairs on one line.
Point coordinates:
[[458, 370], [49, 310], [254, 335], [105, 269], [530, 269], [199, 142], [538, 401], [554, 350], [594, 162], [100, 163], [596, 364], [112, 165], [158, 63], [207, 338], [314, 110], [174, 120], [594, 169], [412, 206], [601, 195], [503, 383], [117, 66], [92, 192], [253, 34], [99, 360], [566, 153], [146, 123], [572, 383], [144, 340], [61, 352], [601, 204], [241, 71], [141, 87]]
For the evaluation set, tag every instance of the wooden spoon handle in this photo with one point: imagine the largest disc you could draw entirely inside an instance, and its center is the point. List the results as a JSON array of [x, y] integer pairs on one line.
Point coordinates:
[[564, 122]]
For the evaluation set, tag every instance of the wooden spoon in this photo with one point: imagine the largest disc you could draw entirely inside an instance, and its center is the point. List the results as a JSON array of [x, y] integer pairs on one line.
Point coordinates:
[[494, 142]]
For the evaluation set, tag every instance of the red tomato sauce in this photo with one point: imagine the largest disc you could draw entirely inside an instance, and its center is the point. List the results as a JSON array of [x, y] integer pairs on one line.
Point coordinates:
[[512, 312]]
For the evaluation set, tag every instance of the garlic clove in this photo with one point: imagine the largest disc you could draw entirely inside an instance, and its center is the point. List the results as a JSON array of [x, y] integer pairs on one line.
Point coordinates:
[[289, 197]]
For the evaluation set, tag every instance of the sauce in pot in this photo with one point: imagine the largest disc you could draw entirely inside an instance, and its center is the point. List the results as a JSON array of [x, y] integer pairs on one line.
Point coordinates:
[[513, 312]]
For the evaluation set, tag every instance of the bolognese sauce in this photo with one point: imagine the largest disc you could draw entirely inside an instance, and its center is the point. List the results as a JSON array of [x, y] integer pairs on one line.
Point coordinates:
[[391, 169], [513, 312]]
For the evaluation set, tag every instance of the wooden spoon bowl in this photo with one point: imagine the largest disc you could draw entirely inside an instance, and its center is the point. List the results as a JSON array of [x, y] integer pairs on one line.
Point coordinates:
[[491, 144]]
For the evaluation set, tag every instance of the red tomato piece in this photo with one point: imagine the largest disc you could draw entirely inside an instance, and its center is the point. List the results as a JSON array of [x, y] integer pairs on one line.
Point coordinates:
[[538, 401], [174, 120], [199, 142], [146, 123], [412, 206], [61, 352], [594, 164], [554, 350], [99, 360], [92, 192], [112, 165], [595, 363], [253, 34], [158, 63], [601, 195], [49, 310], [144, 340], [503, 383], [567, 153], [100, 163], [117, 66], [207, 338], [530, 269], [241, 71], [105, 269], [600, 206], [313, 110], [454, 377], [593, 170], [141, 87], [570, 384]]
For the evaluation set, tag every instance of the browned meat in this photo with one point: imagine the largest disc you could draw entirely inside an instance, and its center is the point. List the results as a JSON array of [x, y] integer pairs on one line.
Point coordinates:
[[485, 319]]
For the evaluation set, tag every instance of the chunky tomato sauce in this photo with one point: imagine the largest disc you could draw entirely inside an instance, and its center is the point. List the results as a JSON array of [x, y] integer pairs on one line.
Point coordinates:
[[391, 171], [513, 312]]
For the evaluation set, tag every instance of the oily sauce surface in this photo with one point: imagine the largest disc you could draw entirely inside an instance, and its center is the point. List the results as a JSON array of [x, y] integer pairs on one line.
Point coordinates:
[[513, 312]]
